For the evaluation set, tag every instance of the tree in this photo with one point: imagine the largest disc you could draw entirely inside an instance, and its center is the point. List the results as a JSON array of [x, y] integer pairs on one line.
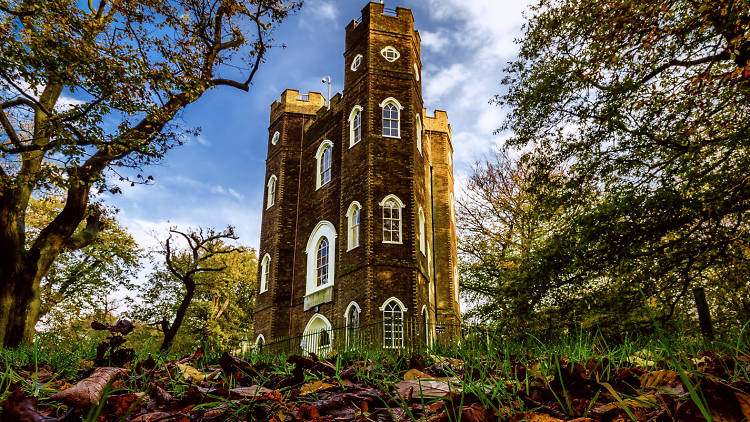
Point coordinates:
[[208, 283], [80, 276], [644, 107], [133, 65]]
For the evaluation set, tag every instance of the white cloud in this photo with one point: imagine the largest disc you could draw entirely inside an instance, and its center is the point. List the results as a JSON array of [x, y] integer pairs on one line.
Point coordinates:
[[473, 44], [319, 10]]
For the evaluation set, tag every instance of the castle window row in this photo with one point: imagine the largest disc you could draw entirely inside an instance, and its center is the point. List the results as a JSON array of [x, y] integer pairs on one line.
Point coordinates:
[[320, 247]]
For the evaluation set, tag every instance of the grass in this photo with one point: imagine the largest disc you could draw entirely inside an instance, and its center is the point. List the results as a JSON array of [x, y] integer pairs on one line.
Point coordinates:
[[489, 373]]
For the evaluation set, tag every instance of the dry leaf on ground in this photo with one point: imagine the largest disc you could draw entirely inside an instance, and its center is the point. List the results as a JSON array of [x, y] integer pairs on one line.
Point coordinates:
[[88, 391]]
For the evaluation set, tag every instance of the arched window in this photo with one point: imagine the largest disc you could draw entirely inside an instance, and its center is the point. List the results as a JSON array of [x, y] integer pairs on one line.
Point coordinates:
[[355, 126], [321, 254], [265, 267], [391, 118], [317, 336], [321, 270], [271, 192], [352, 323], [260, 341], [275, 139], [391, 219], [422, 230], [352, 216], [393, 323], [419, 134], [324, 158]]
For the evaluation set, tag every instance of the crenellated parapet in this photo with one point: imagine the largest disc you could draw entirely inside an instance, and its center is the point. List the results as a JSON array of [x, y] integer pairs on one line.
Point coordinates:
[[294, 102]]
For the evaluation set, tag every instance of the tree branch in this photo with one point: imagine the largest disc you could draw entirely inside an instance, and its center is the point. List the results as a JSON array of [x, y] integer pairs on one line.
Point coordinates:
[[87, 235], [684, 63]]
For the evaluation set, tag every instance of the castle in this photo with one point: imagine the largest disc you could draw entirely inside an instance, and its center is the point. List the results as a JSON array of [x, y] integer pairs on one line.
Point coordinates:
[[359, 218]]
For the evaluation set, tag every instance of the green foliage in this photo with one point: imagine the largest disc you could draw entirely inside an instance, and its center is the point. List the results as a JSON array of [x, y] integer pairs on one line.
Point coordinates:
[[641, 112], [220, 313], [79, 279]]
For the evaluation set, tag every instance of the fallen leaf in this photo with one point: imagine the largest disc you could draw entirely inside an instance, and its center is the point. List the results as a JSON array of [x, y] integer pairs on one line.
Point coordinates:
[[414, 374], [252, 391], [312, 387], [534, 417], [664, 379], [414, 389], [191, 374], [744, 401], [87, 392], [19, 408]]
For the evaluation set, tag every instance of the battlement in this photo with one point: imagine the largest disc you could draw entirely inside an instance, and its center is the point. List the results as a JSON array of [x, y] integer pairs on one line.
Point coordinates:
[[438, 122], [375, 16], [294, 102]]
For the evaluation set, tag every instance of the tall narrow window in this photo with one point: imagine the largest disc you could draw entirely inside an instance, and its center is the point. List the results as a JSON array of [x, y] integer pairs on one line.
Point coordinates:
[[419, 134], [275, 139], [322, 262], [426, 325], [355, 126], [352, 324], [422, 234], [455, 282], [265, 267], [393, 324], [324, 158], [392, 219], [390, 121], [453, 209], [325, 167], [271, 192], [356, 62], [353, 218], [391, 117]]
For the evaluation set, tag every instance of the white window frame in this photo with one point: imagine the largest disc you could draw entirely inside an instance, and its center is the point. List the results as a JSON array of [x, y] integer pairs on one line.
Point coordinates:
[[403, 318], [316, 347], [427, 331], [422, 232], [327, 230], [453, 209], [389, 49], [355, 206], [275, 138], [265, 269], [319, 160], [352, 117], [419, 133], [399, 107], [356, 62], [401, 207], [416, 72], [346, 319], [271, 187], [259, 339]]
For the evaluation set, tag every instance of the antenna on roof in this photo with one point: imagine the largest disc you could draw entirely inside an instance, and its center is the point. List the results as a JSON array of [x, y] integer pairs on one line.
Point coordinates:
[[327, 79]]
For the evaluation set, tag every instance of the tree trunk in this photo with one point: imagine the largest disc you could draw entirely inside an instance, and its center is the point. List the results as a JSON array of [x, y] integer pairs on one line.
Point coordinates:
[[704, 315], [170, 333]]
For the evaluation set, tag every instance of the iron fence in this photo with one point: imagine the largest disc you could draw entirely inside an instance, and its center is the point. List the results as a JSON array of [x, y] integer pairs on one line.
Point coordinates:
[[406, 336]]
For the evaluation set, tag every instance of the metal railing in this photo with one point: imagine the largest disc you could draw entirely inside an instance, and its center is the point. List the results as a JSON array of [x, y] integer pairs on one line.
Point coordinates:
[[303, 97], [408, 336], [390, 12]]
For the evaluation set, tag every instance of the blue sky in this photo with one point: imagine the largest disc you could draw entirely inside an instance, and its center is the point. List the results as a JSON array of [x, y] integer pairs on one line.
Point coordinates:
[[218, 178]]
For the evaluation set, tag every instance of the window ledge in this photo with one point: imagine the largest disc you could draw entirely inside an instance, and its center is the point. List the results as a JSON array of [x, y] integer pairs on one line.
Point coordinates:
[[393, 243], [319, 296], [351, 145], [394, 137], [263, 291], [352, 248]]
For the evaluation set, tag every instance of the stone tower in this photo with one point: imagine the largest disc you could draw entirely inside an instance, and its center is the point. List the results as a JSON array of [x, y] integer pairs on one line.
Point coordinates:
[[359, 222]]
